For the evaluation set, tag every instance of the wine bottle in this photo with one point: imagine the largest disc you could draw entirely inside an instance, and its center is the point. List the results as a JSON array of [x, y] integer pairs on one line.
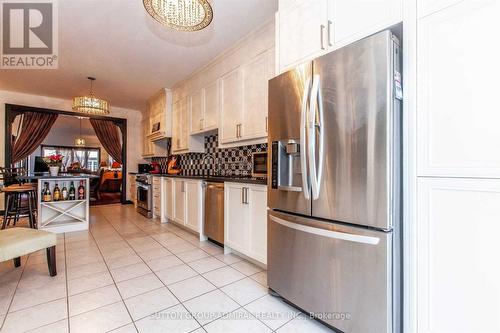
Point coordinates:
[[64, 192], [46, 195], [81, 191], [72, 191], [57, 193]]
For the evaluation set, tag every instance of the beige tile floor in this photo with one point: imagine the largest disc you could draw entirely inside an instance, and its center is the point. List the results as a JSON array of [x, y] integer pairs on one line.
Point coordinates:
[[132, 274]]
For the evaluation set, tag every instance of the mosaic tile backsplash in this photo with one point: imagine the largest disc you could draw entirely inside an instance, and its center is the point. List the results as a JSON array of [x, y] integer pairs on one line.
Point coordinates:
[[235, 161]]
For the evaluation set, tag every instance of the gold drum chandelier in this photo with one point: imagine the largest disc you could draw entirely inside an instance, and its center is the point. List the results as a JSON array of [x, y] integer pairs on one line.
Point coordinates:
[[90, 104], [183, 15]]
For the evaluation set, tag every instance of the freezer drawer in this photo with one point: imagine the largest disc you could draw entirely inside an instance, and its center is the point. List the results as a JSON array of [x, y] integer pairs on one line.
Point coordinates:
[[341, 274]]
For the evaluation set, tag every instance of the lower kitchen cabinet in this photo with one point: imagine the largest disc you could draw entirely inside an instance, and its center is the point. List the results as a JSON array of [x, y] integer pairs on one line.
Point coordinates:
[[194, 204], [245, 218], [179, 201], [186, 203], [168, 199], [156, 197]]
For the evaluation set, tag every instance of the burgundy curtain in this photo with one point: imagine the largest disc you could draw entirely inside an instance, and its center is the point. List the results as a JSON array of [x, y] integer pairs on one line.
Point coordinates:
[[35, 127], [108, 135]]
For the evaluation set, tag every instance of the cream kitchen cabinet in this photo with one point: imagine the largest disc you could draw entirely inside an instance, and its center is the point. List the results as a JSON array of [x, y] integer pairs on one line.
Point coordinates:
[[194, 204], [179, 203], [303, 32], [160, 115], [212, 105], [245, 216], [157, 195], [355, 19], [204, 109], [182, 142], [457, 254], [231, 106], [168, 199], [196, 111], [256, 75], [457, 103], [307, 29], [188, 203], [244, 100]]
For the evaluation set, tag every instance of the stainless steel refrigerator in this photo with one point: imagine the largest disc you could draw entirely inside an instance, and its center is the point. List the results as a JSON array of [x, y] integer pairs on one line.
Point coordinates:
[[334, 196]]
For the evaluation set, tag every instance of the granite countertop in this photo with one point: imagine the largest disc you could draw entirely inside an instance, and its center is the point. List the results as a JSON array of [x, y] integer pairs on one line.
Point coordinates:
[[219, 179], [46, 175]]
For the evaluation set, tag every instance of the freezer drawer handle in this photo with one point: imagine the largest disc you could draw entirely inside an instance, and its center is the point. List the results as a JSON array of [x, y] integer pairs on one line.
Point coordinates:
[[327, 233]]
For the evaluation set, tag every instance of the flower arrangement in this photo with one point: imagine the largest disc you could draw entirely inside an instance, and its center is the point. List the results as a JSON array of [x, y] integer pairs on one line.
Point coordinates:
[[53, 160]]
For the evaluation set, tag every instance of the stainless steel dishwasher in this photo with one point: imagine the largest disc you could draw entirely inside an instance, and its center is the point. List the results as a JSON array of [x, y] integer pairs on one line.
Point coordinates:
[[214, 212]]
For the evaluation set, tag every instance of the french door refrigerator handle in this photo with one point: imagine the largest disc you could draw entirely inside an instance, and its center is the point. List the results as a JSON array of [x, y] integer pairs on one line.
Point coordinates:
[[315, 122], [327, 233], [303, 137]]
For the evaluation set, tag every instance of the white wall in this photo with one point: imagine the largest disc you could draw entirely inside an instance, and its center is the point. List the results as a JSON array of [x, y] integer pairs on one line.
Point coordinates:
[[134, 117]]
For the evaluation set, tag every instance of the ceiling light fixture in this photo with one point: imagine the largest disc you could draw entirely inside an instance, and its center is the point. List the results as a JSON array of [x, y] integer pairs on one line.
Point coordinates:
[[183, 15], [90, 104], [80, 141]]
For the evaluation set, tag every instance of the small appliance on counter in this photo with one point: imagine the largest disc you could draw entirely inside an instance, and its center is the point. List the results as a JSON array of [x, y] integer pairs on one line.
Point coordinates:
[[259, 164], [173, 165], [143, 168], [155, 168]]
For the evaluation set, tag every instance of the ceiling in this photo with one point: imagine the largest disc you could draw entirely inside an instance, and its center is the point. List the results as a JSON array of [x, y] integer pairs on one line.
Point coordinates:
[[130, 54], [71, 125]]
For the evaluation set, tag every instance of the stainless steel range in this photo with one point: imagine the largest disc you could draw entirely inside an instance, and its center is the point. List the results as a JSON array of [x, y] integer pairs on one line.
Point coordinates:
[[144, 185]]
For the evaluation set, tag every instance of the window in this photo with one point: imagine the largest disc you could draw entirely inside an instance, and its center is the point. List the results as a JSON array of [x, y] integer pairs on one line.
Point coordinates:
[[87, 158]]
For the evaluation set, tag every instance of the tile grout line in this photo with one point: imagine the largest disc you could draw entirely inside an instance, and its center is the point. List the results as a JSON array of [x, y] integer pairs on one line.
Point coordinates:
[[201, 274], [181, 236], [14, 294], [109, 271], [147, 234], [180, 302], [66, 279]]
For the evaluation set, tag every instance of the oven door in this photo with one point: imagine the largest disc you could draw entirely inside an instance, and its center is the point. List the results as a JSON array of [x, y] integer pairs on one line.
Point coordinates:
[[144, 196]]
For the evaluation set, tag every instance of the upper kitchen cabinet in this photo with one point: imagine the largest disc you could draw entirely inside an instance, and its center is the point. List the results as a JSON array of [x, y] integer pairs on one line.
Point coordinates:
[[302, 31], [355, 19], [204, 108], [256, 75], [306, 29], [457, 103], [231, 113], [182, 142], [211, 97], [244, 100], [160, 115]]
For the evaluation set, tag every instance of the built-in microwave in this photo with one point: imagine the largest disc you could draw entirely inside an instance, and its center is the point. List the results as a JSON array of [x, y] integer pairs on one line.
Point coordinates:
[[259, 164]]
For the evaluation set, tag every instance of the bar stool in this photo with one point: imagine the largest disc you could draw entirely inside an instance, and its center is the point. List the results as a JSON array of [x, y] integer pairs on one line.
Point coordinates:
[[16, 207]]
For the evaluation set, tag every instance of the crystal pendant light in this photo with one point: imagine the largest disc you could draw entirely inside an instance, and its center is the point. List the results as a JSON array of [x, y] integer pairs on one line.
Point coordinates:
[[183, 15], [90, 104]]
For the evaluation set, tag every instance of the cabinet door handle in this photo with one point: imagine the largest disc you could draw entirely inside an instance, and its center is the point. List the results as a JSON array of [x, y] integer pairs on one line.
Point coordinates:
[[201, 123], [321, 33], [267, 124], [242, 195], [329, 33], [246, 196]]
